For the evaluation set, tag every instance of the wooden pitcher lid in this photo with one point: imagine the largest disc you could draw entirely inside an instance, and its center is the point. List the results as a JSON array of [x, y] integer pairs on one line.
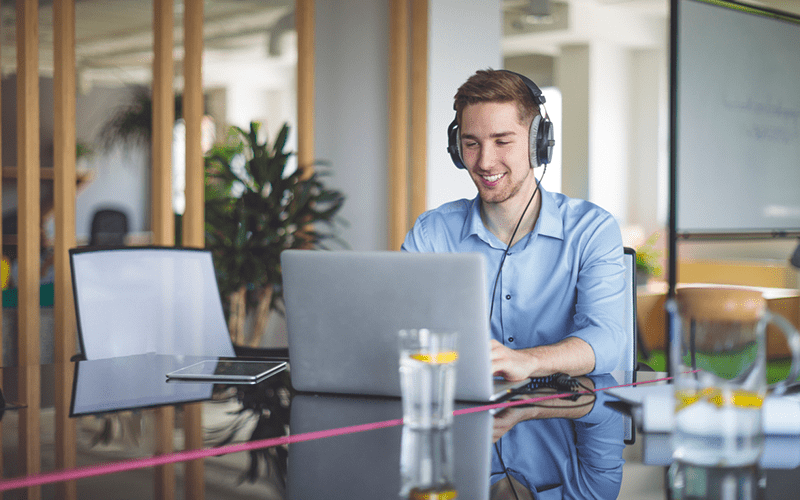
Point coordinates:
[[721, 304]]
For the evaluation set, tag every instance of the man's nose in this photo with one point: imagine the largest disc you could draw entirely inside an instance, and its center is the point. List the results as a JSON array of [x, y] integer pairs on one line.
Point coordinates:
[[486, 157]]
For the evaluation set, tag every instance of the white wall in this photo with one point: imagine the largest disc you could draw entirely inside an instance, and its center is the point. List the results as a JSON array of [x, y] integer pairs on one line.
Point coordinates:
[[464, 36], [351, 106]]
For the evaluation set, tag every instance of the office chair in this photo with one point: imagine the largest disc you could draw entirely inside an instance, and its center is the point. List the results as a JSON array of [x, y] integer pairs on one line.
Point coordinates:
[[629, 362], [139, 300], [109, 228], [629, 358]]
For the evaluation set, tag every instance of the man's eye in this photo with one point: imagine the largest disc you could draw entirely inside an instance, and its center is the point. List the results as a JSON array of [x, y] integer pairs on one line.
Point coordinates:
[[470, 144]]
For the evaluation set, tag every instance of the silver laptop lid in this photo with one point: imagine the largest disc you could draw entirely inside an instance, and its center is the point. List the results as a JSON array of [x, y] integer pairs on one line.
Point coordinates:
[[344, 309]]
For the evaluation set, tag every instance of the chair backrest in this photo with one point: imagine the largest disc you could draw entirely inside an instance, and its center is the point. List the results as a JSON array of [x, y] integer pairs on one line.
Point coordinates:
[[136, 300], [109, 228], [629, 360]]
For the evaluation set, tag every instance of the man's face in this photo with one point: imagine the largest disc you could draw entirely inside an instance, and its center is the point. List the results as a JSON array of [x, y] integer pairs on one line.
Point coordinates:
[[494, 148]]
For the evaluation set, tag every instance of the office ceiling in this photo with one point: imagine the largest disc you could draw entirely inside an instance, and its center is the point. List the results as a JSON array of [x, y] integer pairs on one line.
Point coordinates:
[[114, 37]]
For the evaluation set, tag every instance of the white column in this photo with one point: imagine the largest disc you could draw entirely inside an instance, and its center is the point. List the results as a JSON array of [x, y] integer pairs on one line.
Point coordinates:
[[594, 80]]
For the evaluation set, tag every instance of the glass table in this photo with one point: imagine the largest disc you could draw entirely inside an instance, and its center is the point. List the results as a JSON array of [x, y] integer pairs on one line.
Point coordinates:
[[130, 429]]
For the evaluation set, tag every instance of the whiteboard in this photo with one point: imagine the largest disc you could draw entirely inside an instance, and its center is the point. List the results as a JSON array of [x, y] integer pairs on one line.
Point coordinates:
[[737, 127]]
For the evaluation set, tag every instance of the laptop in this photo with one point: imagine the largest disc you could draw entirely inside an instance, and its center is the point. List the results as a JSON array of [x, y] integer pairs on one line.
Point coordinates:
[[344, 309]]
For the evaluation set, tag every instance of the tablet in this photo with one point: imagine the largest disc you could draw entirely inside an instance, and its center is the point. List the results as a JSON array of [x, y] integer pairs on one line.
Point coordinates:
[[231, 371]]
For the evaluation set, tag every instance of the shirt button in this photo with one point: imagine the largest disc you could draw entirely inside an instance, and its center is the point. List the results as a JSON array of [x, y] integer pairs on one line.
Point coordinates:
[[511, 339], [508, 297]]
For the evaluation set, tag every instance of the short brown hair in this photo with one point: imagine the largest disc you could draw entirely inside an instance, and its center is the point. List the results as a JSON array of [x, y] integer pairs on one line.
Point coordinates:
[[492, 85]]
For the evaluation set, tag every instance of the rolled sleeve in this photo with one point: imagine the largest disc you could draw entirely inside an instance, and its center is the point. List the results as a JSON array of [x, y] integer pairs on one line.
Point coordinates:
[[600, 306]]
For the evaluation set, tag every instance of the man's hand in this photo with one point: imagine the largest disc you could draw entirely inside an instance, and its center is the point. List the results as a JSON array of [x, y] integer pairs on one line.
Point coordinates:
[[572, 356], [511, 364]]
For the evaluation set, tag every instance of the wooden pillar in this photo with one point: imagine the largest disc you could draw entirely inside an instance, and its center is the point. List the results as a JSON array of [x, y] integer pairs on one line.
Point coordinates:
[[194, 215], [408, 108], [304, 19], [163, 222], [163, 122], [419, 110], [28, 234], [399, 31], [64, 200]]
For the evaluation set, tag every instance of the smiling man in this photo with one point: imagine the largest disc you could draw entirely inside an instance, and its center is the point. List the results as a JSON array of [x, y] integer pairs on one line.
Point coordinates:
[[554, 263]]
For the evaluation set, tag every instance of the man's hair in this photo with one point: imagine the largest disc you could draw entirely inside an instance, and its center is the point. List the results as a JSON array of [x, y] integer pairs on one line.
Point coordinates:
[[496, 86]]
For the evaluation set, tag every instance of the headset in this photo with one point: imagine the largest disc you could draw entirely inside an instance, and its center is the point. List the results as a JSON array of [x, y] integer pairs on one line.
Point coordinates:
[[540, 136]]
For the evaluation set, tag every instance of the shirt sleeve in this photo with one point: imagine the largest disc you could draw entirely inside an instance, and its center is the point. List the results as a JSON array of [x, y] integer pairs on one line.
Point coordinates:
[[600, 306], [416, 239]]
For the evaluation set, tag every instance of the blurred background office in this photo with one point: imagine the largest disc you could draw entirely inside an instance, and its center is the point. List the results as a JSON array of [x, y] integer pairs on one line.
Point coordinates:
[[603, 66]]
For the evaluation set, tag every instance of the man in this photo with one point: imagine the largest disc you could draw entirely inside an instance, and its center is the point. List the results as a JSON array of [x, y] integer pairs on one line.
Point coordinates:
[[557, 288]]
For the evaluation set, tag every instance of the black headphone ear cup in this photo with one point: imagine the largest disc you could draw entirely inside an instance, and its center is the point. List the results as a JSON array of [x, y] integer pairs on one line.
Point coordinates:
[[540, 148], [458, 149], [533, 141], [545, 142], [454, 144]]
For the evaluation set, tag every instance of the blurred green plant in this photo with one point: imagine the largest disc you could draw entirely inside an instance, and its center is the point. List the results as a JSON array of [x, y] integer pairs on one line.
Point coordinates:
[[83, 150], [254, 210], [648, 258], [131, 123]]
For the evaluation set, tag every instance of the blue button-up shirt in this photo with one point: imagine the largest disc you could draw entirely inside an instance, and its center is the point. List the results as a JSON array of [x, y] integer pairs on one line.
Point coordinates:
[[563, 279]]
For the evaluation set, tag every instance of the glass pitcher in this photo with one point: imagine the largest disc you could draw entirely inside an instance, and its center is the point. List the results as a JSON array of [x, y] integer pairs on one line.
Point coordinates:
[[719, 361]]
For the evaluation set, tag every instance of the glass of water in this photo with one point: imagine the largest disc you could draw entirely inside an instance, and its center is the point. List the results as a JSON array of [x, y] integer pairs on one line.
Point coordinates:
[[427, 377]]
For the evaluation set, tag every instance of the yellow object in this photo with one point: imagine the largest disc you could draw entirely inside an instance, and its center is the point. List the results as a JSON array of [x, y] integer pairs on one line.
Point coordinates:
[[6, 271], [438, 358], [417, 494], [738, 397]]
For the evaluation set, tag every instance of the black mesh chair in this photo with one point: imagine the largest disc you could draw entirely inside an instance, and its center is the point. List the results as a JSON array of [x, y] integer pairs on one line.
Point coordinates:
[[109, 228]]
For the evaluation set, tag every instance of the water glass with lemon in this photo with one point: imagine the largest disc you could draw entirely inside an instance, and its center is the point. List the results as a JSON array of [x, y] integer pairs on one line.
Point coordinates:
[[427, 377]]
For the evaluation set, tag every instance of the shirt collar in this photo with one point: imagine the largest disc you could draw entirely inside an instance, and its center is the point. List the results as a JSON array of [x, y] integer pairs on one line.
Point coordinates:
[[548, 224], [473, 224]]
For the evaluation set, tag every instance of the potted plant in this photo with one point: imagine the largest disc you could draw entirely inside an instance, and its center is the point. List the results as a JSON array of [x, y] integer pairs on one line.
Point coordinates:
[[255, 209], [131, 124]]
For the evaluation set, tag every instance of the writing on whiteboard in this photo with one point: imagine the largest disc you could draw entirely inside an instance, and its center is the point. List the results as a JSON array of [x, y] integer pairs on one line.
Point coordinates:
[[772, 122], [787, 114]]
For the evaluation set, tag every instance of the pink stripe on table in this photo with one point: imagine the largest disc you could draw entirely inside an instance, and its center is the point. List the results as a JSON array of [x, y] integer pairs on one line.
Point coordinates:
[[185, 456]]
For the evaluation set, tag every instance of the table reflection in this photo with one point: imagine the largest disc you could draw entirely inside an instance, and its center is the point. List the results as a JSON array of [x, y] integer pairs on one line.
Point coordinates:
[[427, 464], [368, 464], [692, 482], [131, 382], [559, 448]]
